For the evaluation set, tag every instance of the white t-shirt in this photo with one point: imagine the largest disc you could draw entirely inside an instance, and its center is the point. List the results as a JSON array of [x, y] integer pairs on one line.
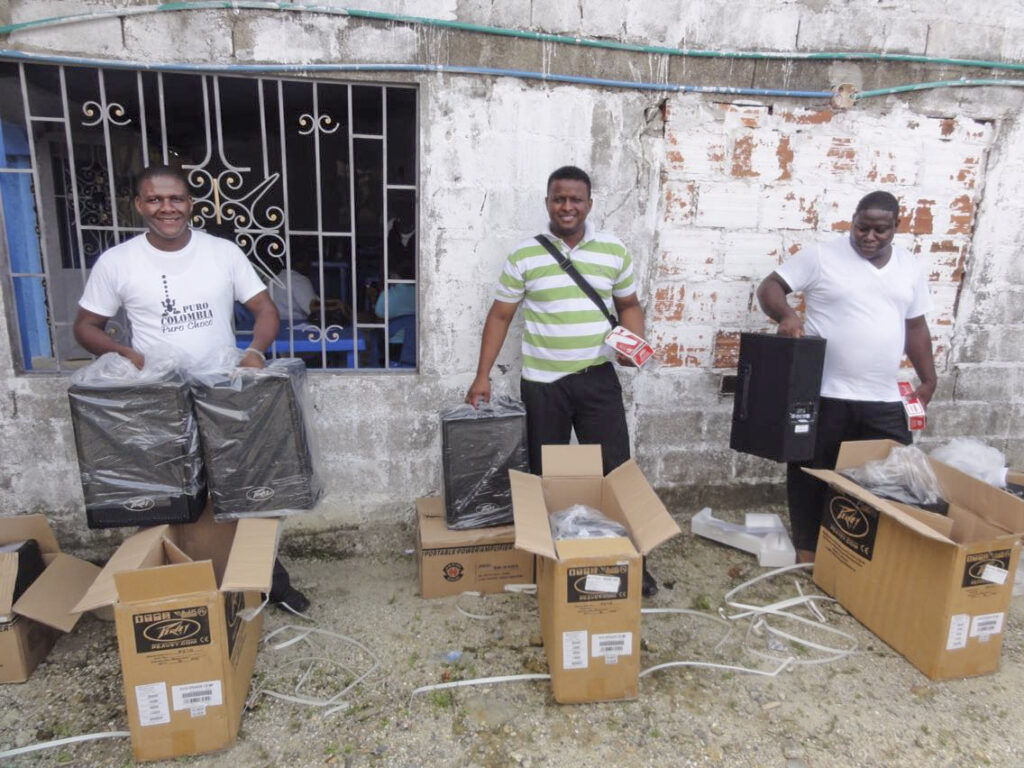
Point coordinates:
[[302, 296], [183, 298], [861, 312]]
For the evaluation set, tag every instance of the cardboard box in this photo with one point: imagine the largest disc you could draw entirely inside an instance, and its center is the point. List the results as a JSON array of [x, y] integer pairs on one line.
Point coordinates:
[[588, 590], [934, 587], [183, 597], [452, 562], [31, 625]]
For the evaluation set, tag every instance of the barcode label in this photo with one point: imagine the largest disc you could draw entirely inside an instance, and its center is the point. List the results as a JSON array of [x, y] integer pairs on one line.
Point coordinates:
[[197, 695], [986, 624], [612, 645], [151, 700]]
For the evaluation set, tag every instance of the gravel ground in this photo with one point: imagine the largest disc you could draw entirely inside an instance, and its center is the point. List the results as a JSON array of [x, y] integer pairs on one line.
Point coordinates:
[[870, 708]]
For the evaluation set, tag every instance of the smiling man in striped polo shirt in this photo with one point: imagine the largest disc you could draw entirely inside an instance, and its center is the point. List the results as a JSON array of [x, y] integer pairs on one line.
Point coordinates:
[[569, 382]]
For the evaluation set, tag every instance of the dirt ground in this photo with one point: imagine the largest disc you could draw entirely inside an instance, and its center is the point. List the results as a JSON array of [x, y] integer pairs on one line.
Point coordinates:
[[869, 708]]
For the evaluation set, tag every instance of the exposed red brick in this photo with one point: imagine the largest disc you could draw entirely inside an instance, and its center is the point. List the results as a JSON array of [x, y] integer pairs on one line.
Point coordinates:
[[674, 157], [669, 303], [842, 154], [726, 350], [668, 354], [947, 126], [968, 173], [785, 154], [962, 210], [921, 220], [843, 226], [809, 118], [742, 151], [944, 246]]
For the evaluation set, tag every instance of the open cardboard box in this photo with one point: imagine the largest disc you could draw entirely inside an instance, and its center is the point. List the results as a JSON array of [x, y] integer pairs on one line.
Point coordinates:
[[184, 600], [934, 587], [30, 626], [479, 560], [588, 590]]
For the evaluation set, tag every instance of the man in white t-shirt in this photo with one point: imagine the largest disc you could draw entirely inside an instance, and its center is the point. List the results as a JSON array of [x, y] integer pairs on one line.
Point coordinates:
[[867, 297], [178, 287]]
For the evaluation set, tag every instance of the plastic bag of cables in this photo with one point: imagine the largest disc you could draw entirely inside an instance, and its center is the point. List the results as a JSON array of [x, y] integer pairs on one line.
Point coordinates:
[[582, 522], [904, 475], [257, 442], [479, 446], [137, 442]]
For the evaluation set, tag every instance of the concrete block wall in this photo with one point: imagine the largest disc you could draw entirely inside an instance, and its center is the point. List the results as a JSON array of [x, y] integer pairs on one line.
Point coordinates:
[[709, 192]]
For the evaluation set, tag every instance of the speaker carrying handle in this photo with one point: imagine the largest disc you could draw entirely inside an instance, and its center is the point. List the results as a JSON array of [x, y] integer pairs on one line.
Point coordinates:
[[744, 374]]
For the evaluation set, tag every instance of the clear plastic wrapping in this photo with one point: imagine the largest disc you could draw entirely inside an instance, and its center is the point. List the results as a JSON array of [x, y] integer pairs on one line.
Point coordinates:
[[257, 443], [972, 456], [582, 522], [479, 446], [904, 475], [137, 442]]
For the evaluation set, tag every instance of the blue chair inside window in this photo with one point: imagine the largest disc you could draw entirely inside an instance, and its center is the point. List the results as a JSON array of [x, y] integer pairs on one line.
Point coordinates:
[[291, 340]]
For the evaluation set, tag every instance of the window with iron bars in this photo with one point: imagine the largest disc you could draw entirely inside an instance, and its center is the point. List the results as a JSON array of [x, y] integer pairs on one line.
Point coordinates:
[[314, 180]]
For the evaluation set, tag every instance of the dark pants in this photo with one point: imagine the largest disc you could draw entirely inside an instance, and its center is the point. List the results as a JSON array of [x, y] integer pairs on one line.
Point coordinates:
[[589, 402], [838, 420]]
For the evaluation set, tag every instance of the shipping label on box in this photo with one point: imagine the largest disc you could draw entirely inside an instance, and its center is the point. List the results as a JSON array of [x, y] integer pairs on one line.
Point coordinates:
[[588, 590]]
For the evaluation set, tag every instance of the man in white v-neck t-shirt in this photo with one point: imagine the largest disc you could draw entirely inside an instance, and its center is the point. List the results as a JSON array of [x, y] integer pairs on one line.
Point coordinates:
[[867, 297], [178, 287]]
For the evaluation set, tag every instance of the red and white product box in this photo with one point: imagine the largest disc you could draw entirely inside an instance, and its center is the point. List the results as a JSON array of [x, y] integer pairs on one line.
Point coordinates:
[[629, 344], [914, 407]]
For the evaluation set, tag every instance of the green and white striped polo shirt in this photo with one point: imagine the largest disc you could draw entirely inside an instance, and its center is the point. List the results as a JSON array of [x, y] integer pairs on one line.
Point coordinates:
[[564, 330]]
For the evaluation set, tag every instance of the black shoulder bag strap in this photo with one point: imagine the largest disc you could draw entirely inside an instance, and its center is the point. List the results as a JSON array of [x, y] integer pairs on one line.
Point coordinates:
[[577, 278]]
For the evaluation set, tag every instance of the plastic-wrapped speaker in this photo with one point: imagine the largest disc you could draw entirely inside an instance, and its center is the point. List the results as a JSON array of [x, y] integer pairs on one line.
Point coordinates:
[[479, 446], [256, 443]]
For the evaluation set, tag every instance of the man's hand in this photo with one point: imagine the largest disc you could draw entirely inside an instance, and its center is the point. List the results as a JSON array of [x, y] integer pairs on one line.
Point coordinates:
[[479, 390], [252, 359], [925, 392], [137, 360], [791, 326], [624, 361]]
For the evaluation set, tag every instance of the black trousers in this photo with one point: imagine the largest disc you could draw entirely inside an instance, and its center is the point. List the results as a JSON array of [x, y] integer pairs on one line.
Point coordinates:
[[838, 420], [590, 402]]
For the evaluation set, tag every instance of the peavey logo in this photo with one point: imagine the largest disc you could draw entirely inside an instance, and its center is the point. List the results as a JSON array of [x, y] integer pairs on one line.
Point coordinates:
[[452, 571], [172, 629], [853, 523], [259, 494], [849, 518], [976, 563], [139, 504]]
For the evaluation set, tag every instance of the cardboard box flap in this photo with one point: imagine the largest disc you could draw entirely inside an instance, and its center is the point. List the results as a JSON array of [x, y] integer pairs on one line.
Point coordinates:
[[430, 506], [251, 562], [646, 518], [165, 581], [21, 527], [533, 533], [8, 578], [144, 549], [984, 500], [571, 461], [853, 453], [853, 489], [51, 598]]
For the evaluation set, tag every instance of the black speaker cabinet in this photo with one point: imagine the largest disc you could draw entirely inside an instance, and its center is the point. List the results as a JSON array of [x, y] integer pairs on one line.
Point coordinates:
[[138, 454], [775, 413], [478, 449]]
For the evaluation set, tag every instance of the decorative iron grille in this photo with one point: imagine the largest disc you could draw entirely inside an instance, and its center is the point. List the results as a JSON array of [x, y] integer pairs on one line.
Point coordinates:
[[314, 180]]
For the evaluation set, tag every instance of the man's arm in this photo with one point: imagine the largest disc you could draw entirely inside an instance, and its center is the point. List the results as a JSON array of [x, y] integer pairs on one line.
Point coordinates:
[[631, 317], [499, 318], [771, 295], [918, 347], [264, 328], [89, 330]]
